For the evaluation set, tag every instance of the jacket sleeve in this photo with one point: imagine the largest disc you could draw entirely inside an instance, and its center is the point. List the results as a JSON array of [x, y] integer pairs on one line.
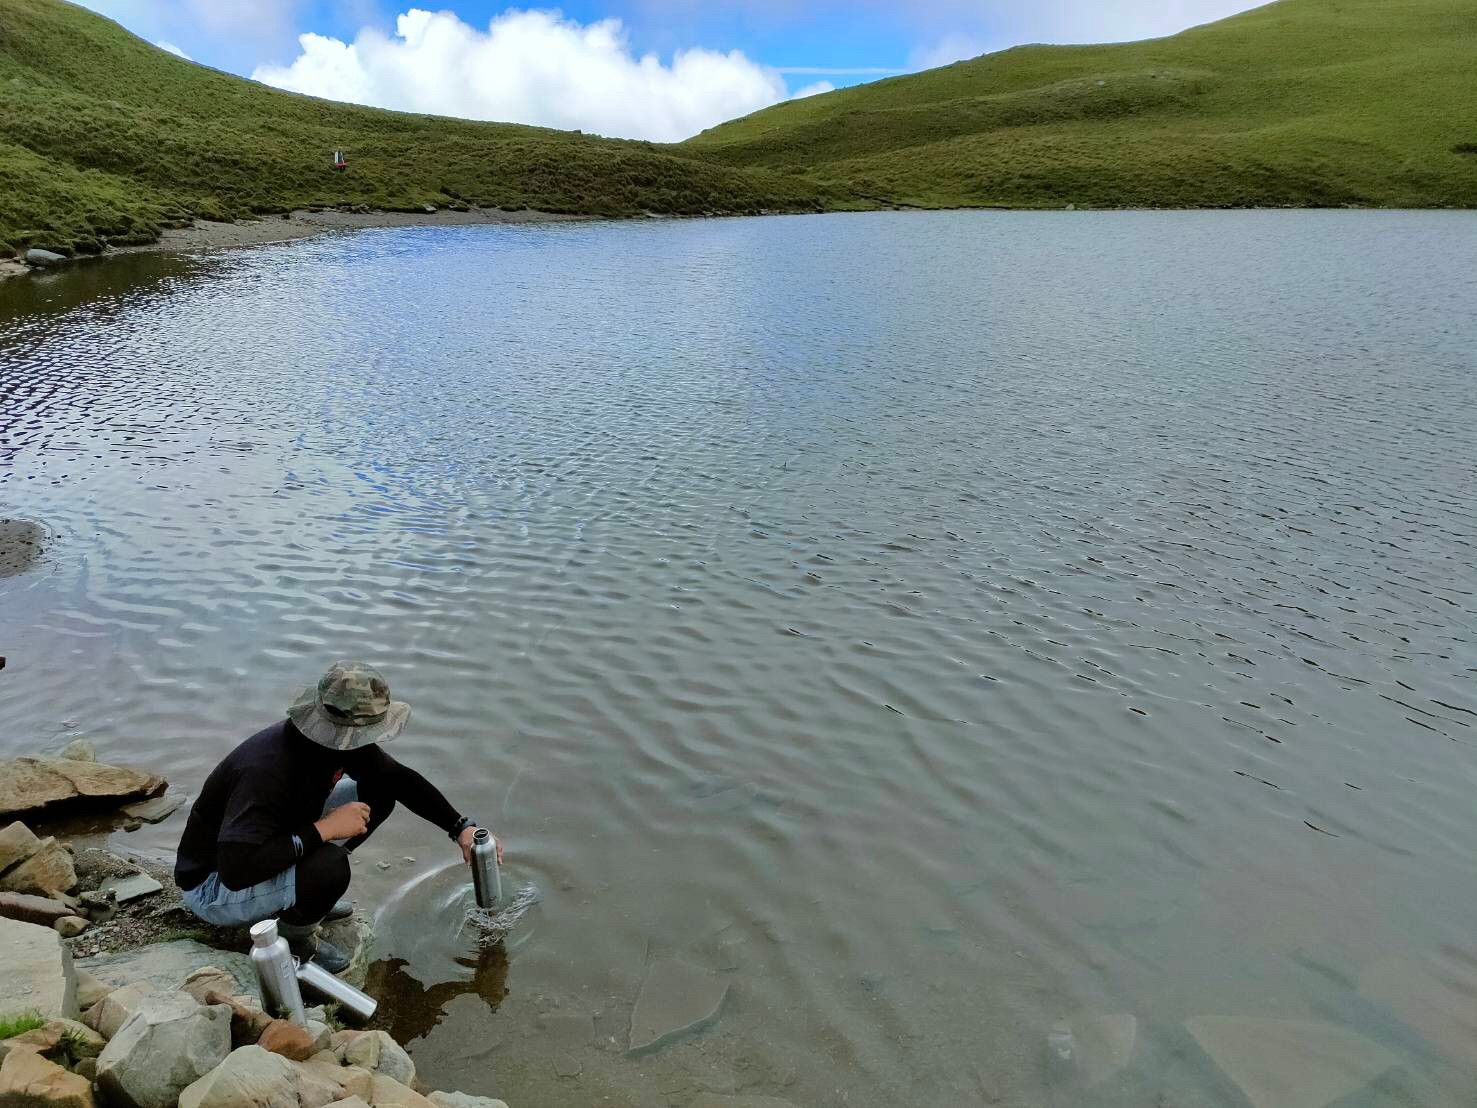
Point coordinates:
[[242, 865], [376, 772]]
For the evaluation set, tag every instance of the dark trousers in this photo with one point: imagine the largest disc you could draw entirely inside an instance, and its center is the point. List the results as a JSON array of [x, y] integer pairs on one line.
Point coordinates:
[[323, 874]]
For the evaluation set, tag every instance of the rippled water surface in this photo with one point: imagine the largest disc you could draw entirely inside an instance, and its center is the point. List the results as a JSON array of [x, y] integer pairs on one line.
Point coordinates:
[[937, 626]]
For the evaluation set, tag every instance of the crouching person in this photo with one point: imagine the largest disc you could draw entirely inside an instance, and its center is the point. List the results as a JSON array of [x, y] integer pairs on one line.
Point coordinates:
[[270, 835]]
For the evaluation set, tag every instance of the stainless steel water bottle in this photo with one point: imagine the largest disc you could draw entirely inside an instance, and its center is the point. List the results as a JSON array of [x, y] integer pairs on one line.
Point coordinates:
[[487, 881], [356, 1002], [275, 971]]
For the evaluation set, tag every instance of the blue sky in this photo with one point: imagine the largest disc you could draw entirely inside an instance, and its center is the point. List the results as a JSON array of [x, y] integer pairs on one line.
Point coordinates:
[[586, 62]]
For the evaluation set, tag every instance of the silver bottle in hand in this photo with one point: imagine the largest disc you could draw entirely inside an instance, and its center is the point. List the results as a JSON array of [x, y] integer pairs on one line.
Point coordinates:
[[487, 881], [276, 972]]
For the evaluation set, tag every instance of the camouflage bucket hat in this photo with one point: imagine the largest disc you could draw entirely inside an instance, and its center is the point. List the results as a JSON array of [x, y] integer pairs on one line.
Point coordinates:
[[350, 708]]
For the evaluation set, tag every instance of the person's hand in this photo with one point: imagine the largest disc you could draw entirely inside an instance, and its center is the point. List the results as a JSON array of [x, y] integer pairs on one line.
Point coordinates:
[[464, 840], [348, 822]]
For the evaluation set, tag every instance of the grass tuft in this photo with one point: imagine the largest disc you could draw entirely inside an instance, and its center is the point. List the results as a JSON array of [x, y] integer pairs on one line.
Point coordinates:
[[11, 1026]]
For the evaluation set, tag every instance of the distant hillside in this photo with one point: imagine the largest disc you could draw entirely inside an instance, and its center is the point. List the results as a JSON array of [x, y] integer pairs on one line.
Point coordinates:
[[1302, 102], [105, 137]]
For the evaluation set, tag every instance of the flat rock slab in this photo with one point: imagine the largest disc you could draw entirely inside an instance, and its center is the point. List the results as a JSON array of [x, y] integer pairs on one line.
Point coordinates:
[[131, 887], [32, 909], [710, 1100], [36, 973], [165, 966], [676, 999], [1290, 1063], [29, 785], [155, 810]]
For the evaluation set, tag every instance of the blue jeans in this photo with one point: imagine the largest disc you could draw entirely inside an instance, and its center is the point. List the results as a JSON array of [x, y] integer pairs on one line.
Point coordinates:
[[223, 907]]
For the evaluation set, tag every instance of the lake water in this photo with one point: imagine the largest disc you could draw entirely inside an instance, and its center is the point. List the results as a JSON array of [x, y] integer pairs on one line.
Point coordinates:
[[936, 626]]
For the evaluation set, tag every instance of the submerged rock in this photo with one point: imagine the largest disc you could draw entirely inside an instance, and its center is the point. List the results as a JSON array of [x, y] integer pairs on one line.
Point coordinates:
[[35, 784], [1091, 1048], [78, 750], [1290, 1063], [21, 545], [156, 809], [676, 998], [37, 972]]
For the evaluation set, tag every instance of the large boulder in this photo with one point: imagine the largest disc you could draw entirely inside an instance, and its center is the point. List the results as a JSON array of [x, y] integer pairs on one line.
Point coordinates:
[[250, 1077], [115, 1008], [36, 973], [378, 1053], [27, 1078], [47, 872], [33, 784], [167, 966], [17, 843], [386, 1092], [43, 259], [167, 1045]]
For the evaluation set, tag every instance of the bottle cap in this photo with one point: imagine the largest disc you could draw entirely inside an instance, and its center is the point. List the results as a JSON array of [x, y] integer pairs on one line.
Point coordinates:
[[264, 933]]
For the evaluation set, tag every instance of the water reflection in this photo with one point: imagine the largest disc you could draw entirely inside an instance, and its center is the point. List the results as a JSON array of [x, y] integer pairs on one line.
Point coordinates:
[[409, 1009]]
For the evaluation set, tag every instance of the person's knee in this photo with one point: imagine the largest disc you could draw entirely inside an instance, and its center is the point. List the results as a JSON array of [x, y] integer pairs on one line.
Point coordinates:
[[324, 873]]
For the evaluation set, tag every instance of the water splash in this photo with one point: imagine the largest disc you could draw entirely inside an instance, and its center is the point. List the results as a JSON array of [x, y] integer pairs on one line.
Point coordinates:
[[493, 925]]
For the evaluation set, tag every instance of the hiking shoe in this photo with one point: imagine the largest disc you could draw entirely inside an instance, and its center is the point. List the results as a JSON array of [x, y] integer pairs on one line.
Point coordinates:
[[309, 946], [342, 910]]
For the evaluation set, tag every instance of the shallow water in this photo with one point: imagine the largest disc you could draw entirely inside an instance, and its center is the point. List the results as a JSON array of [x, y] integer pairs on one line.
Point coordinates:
[[938, 625]]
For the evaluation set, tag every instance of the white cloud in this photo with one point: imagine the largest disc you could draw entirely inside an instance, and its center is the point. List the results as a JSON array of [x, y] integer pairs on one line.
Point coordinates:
[[173, 49], [952, 47], [814, 90], [532, 67]]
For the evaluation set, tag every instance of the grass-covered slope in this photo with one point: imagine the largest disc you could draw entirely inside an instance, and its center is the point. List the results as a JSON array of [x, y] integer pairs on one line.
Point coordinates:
[[105, 137], [1302, 102]]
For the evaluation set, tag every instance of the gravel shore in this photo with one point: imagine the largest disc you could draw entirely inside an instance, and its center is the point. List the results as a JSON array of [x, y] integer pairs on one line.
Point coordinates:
[[205, 235]]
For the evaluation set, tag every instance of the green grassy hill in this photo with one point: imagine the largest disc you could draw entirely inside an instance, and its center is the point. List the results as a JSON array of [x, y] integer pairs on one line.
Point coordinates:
[[104, 137], [1302, 102]]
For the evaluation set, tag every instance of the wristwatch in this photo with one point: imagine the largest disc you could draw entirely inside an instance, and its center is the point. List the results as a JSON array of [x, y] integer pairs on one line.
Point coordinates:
[[461, 825]]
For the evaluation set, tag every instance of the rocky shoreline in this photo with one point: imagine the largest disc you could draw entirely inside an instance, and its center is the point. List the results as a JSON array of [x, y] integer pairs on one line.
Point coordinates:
[[208, 235], [115, 996]]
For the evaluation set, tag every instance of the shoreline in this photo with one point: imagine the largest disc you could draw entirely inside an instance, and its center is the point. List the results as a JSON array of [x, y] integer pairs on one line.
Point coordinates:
[[296, 225]]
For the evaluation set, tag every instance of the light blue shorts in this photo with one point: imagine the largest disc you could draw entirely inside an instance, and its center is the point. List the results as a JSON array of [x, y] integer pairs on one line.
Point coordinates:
[[214, 903]]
